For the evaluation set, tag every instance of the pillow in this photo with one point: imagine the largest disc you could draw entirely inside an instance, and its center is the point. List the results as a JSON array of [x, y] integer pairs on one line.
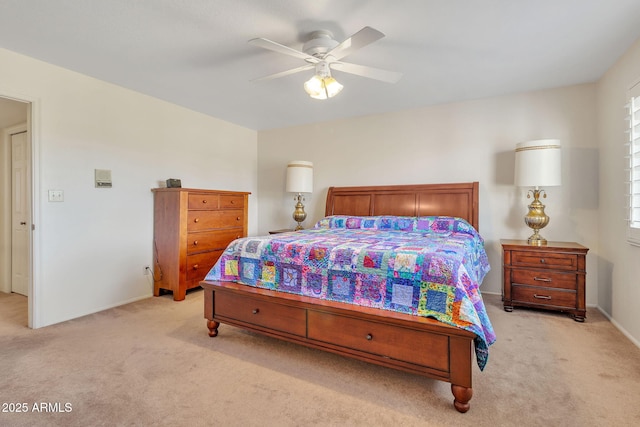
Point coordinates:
[[432, 224]]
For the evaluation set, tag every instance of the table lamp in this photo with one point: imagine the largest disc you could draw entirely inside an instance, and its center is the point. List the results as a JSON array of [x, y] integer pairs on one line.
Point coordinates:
[[537, 165], [299, 180]]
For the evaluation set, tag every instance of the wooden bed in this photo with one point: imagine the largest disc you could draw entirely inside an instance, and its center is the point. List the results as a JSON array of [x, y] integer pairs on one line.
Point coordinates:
[[377, 336]]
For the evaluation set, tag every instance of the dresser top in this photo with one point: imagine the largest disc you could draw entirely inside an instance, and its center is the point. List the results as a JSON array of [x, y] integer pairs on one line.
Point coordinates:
[[523, 245], [197, 190]]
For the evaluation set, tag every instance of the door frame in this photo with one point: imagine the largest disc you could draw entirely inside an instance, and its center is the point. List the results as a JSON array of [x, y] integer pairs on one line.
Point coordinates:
[[33, 127]]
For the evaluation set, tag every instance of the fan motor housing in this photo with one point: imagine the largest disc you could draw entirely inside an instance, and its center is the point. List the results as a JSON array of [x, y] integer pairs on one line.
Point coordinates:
[[320, 43]]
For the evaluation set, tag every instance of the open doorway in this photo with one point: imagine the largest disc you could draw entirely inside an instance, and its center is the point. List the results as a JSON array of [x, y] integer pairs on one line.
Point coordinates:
[[16, 212]]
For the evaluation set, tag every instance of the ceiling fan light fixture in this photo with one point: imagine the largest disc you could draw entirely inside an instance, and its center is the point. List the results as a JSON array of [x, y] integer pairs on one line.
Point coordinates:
[[322, 87]]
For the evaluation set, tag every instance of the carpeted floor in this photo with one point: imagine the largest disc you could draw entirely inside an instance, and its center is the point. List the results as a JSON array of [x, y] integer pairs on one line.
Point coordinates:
[[152, 363]]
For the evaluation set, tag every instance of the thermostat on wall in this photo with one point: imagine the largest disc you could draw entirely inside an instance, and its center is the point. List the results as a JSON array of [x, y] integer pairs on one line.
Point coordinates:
[[103, 178]]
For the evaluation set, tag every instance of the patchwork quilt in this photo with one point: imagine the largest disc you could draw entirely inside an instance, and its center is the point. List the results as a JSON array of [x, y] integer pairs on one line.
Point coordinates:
[[424, 266]]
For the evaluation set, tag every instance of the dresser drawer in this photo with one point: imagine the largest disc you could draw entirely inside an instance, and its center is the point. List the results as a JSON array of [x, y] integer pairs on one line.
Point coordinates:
[[231, 201], [544, 260], [198, 265], [203, 220], [203, 201], [544, 278], [210, 240], [543, 296], [257, 312], [381, 339]]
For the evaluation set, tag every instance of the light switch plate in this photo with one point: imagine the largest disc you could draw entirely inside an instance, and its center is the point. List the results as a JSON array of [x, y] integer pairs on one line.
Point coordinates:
[[56, 195]]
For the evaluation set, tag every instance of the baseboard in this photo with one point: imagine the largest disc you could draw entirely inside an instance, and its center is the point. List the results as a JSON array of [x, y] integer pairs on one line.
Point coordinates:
[[99, 309], [613, 322], [619, 327], [490, 293]]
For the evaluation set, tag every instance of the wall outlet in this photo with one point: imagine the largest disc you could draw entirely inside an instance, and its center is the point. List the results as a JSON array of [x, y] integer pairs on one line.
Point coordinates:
[[147, 270]]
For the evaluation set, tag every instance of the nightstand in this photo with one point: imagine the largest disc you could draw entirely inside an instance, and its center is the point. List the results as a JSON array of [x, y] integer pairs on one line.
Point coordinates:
[[283, 230], [550, 277]]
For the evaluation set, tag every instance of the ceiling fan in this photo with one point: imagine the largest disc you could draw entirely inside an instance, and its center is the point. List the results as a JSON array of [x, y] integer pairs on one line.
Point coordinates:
[[322, 53]]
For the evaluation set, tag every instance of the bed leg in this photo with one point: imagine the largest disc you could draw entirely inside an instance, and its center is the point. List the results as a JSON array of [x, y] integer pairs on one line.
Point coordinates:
[[213, 327], [462, 396]]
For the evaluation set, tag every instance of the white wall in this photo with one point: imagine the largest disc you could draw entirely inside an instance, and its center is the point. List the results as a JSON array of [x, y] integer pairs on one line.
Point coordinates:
[[467, 141], [91, 248], [619, 279]]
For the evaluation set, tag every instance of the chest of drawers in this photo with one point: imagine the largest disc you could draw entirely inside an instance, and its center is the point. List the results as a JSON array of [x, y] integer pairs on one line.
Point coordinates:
[[550, 277], [191, 230]]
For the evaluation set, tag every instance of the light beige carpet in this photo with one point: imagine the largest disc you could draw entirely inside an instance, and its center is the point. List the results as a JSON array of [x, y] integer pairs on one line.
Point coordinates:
[[152, 363]]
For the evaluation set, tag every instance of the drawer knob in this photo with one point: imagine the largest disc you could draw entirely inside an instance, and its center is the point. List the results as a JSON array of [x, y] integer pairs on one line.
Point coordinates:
[[547, 297], [238, 218], [196, 220], [255, 311], [542, 279], [232, 202], [195, 267], [369, 337], [542, 260], [195, 243], [204, 201]]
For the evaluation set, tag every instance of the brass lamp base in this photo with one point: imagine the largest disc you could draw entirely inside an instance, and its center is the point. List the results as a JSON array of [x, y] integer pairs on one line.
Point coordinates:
[[536, 219], [536, 239], [299, 215]]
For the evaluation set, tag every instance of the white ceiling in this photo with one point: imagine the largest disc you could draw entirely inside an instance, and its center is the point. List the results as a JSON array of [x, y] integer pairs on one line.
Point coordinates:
[[195, 52]]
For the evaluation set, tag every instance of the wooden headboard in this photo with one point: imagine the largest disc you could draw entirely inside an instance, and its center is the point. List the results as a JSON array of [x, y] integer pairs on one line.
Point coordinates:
[[459, 200]]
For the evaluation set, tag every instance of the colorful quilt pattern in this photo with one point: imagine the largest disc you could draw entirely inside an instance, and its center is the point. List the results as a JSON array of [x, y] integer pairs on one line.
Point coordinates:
[[424, 266]]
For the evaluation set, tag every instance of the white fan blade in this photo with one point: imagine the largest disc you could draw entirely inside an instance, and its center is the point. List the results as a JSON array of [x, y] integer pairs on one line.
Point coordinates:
[[370, 72], [277, 47], [365, 36], [284, 73]]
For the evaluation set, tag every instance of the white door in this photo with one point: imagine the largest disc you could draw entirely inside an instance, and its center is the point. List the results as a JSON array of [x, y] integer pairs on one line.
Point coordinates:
[[20, 213]]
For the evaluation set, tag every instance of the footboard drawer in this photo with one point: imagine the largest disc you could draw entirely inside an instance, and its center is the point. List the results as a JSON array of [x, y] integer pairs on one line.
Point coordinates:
[[278, 317], [394, 342]]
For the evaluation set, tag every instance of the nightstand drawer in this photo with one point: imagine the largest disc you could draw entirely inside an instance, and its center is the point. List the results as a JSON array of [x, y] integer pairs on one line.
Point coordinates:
[[543, 278], [544, 260], [543, 296]]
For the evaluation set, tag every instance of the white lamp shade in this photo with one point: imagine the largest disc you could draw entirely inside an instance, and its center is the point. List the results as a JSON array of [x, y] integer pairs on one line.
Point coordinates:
[[538, 163], [299, 177]]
